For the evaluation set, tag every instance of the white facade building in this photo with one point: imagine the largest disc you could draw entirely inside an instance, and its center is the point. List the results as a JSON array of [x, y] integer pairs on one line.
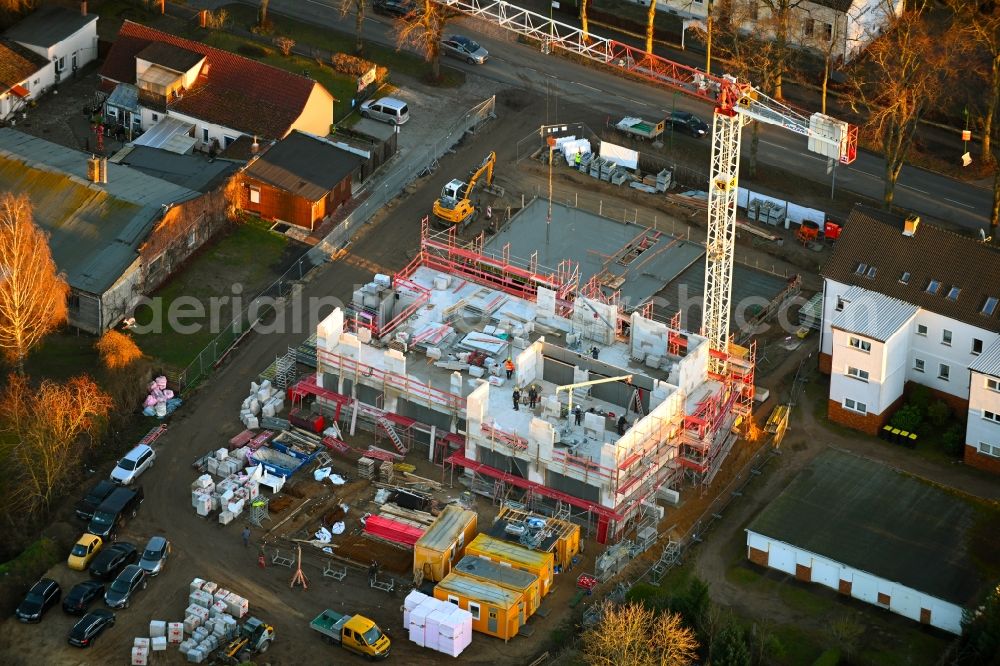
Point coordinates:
[[834, 526], [23, 74], [64, 37], [898, 308]]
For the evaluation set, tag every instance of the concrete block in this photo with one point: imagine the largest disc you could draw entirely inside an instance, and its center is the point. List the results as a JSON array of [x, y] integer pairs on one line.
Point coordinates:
[[157, 628], [159, 643], [196, 584], [140, 656], [175, 632], [141, 643]]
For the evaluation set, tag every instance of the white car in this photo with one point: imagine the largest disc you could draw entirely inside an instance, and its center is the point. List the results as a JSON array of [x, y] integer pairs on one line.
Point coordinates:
[[134, 463]]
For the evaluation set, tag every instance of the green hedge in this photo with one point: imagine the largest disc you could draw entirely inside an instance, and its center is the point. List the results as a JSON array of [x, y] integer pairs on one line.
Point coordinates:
[[828, 658], [33, 560]]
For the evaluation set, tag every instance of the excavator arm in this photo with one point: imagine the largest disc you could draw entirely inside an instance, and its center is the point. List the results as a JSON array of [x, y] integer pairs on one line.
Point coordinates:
[[487, 168]]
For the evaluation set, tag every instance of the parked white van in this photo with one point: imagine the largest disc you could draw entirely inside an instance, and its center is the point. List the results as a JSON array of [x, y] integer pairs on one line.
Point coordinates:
[[386, 109]]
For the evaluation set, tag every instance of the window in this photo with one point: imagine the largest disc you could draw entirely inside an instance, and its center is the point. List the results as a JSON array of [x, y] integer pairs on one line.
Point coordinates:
[[192, 238], [808, 27], [933, 287], [254, 194], [922, 330], [860, 270], [754, 10], [857, 373], [953, 293], [453, 599], [113, 112], [990, 306], [858, 343], [204, 135], [993, 384], [944, 372], [61, 64], [991, 416], [904, 278], [946, 337], [227, 140], [918, 364], [977, 346], [870, 273], [840, 304], [474, 609], [828, 32], [73, 302], [74, 64], [989, 449], [855, 406], [155, 117]]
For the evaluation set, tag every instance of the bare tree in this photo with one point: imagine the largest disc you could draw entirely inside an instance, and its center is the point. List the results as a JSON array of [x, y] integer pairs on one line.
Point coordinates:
[[896, 82], [635, 635], [359, 7], [584, 6], [49, 422], [32, 293], [422, 30], [979, 24], [650, 25], [777, 18]]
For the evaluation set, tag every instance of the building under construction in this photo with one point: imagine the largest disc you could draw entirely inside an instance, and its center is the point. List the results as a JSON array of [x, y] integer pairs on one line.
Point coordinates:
[[623, 406]]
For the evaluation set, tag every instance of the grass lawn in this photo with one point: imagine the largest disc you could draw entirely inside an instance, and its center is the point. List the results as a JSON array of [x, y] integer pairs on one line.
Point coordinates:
[[398, 62], [247, 260], [62, 355]]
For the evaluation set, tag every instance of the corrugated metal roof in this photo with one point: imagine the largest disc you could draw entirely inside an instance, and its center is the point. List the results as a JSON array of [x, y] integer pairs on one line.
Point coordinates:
[[509, 552], [988, 362], [477, 590], [872, 314], [480, 567], [161, 135], [124, 96], [94, 230], [443, 533], [887, 523]]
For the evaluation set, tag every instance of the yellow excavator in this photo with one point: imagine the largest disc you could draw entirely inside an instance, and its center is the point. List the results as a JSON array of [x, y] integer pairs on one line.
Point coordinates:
[[455, 205], [253, 637]]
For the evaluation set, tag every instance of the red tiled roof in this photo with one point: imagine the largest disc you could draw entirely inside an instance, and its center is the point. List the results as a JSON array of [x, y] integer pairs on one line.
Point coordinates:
[[17, 64], [237, 92]]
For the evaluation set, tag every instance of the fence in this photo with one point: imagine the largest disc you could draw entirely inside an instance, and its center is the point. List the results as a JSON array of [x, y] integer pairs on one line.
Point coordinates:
[[264, 305]]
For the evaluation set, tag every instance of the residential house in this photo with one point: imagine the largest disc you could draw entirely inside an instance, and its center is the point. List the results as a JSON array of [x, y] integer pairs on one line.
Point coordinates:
[[65, 37], [877, 535], [374, 141], [21, 74], [904, 303], [220, 96], [301, 180], [844, 28], [115, 237]]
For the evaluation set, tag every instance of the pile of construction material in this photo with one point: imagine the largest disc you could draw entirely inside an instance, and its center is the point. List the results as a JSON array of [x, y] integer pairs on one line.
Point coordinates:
[[367, 468], [231, 496], [211, 618], [160, 401], [401, 519], [160, 635], [264, 401], [437, 624], [653, 183]]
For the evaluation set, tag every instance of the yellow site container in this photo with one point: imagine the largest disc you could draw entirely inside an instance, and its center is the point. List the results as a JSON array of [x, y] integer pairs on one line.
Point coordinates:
[[496, 610], [504, 552], [443, 543], [568, 545], [526, 584], [561, 537]]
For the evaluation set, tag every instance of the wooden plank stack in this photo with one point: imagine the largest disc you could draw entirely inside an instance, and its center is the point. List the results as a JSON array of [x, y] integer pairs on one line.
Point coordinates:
[[367, 467]]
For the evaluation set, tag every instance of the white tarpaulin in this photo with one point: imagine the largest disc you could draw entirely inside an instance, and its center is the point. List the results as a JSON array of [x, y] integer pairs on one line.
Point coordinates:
[[620, 155]]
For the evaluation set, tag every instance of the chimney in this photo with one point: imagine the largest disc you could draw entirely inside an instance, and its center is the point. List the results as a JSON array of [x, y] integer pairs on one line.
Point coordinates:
[[203, 18], [910, 225], [83, 8], [94, 169], [254, 147], [104, 169]]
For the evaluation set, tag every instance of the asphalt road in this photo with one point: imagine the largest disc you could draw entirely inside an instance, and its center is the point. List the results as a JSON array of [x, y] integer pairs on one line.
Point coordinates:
[[562, 80]]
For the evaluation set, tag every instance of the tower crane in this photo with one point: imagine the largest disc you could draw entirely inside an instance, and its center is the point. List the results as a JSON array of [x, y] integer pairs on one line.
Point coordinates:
[[736, 103]]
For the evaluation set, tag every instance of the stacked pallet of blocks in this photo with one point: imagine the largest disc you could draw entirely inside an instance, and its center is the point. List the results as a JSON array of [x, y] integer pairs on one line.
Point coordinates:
[[211, 619], [436, 624], [386, 471], [367, 467]]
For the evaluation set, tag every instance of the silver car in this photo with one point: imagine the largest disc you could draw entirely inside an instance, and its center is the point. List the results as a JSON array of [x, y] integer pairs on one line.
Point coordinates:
[[155, 555], [466, 49], [134, 463]]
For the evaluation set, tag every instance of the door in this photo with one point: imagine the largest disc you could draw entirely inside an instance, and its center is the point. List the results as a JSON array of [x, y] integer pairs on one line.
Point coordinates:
[[520, 614], [491, 621]]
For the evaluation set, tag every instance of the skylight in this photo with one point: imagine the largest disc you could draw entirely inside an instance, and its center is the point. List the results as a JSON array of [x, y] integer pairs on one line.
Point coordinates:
[[871, 272], [904, 278], [990, 306], [860, 270], [933, 287], [953, 293]]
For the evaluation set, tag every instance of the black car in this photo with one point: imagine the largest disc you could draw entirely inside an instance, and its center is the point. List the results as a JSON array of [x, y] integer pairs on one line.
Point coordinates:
[[42, 596], [112, 559], [80, 596], [393, 7], [122, 503], [689, 124], [119, 595], [90, 627], [85, 508]]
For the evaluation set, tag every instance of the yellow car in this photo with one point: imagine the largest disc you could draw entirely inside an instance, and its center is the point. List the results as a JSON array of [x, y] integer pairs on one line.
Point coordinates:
[[83, 552]]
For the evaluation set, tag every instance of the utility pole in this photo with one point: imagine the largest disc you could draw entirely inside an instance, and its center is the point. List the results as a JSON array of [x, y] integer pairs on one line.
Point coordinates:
[[708, 45]]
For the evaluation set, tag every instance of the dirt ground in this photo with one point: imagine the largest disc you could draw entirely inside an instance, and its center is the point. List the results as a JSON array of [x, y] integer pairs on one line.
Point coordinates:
[[209, 418]]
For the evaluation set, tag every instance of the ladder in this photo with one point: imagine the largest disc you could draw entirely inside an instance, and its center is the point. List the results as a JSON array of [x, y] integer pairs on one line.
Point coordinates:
[[636, 403], [284, 369], [393, 435]]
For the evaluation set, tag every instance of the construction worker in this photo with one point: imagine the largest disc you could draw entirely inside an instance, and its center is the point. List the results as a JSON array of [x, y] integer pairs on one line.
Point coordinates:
[[578, 414], [579, 156], [532, 396], [508, 365], [595, 352], [246, 536], [517, 398], [622, 423]]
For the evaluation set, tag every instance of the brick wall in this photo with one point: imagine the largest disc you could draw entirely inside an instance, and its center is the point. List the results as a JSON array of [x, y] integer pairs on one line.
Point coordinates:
[[758, 556], [867, 423], [803, 573], [825, 363], [981, 461]]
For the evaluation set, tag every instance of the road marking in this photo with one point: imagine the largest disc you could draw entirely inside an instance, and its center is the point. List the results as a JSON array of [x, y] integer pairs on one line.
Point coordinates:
[[584, 85], [915, 189], [864, 172], [965, 205]]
